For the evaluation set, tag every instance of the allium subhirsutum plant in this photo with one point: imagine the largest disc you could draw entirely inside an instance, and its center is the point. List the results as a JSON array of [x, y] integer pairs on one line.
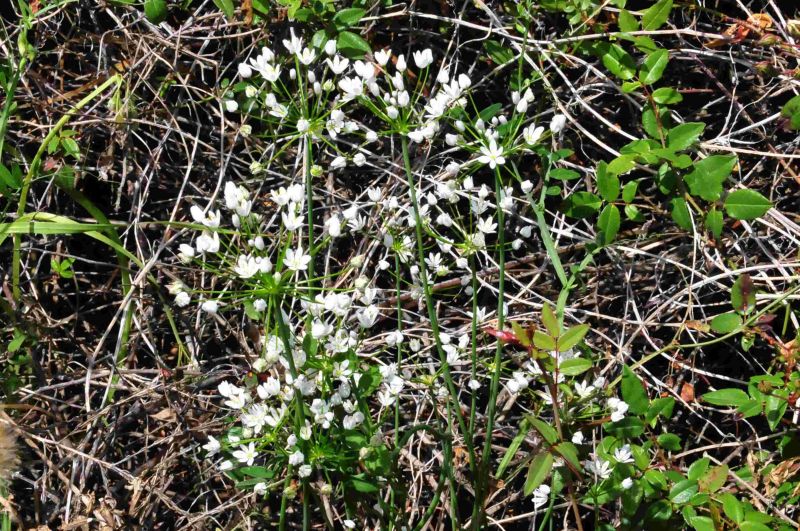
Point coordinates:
[[339, 357]]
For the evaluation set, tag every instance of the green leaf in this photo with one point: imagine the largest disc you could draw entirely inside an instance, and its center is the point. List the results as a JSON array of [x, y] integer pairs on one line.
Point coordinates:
[[702, 523], [621, 165], [627, 22], [667, 96], [155, 10], [348, 17], [708, 175], [516, 442], [352, 45], [575, 366], [725, 323], [540, 468], [629, 191], [792, 111], [682, 136], [569, 452], [714, 479], [572, 337], [547, 432], [607, 183], [581, 204], [563, 174], [633, 392], [680, 213], [617, 60], [775, 408], [746, 204], [683, 491], [653, 67], [550, 320], [608, 224], [753, 526], [698, 468], [521, 334], [726, 397], [226, 6], [669, 441], [732, 507], [361, 485], [544, 341], [498, 53], [660, 406], [714, 222], [656, 15]]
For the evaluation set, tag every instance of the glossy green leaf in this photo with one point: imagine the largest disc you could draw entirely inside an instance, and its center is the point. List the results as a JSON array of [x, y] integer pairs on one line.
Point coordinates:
[[667, 96], [608, 224], [617, 60], [682, 136], [656, 15], [683, 491], [726, 397], [633, 392], [352, 45], [726, 322], [226, 6], [348, 17], [714, 479], [746, 204], [653, 67], [709, 174], [155, 10], [698, 468], [575, 366], [627, 22], [608, 184], [680, 213], [538, 471], [714, 222], [732, 507], [702, 523]]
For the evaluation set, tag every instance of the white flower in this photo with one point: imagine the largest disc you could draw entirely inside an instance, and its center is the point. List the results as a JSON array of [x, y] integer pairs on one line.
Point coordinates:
[[225, 465], [303, 125], [557, 123], [382, 56], [626, 483], [210, 306], [246, 266], [296, 458], [186, 253], [486, 225], [623, 454], [599, 468], [182, 299], [352, 87], [304, 471], [349, 524], [359, 159], [338, 162], [338, 64], [307, 56], [401, 63], [291, 221], [244, 70], [231, 106], [492, 154], [260, 488], [210, 219], [353, 421], [541, 495], [294, 45], [474, 385], [368, 316], [246, 454], [330, 47], [423, 58], [212, 446], [618, 407], [296, 260], [577, 437], [532, 134]]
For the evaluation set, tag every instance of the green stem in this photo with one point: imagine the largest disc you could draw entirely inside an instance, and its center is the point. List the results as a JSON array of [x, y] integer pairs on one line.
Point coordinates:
[[34, 168], [431, 309], [483, 476]]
